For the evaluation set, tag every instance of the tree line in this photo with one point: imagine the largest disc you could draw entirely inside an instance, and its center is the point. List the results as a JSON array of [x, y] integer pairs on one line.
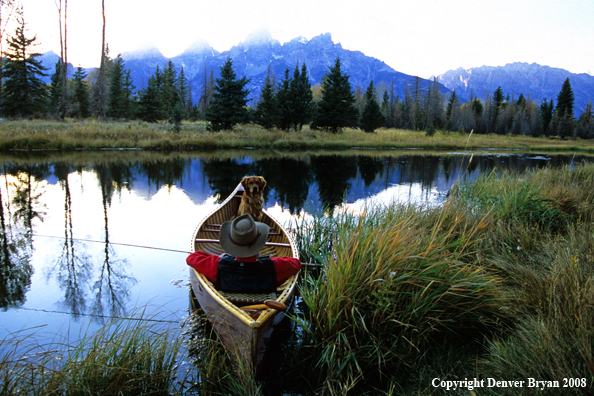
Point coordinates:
[[288, 104]]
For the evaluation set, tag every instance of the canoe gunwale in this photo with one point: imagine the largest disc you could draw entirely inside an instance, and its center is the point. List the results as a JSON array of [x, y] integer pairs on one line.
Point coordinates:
[[243, 316]]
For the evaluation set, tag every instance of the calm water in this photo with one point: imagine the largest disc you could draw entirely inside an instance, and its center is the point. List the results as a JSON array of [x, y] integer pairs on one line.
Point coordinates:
[[68, 222]]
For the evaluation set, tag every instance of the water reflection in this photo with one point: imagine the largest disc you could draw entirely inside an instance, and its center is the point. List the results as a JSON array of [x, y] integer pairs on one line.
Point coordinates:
[[15, 255], [94, 278]]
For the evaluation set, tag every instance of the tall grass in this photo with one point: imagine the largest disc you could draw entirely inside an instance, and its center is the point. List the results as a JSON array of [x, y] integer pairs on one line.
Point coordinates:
[[124, 357], [92, 134], [498, 282], [397, 277]]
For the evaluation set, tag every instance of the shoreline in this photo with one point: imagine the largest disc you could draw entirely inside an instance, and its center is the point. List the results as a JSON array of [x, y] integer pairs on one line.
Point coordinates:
[[72, 135]]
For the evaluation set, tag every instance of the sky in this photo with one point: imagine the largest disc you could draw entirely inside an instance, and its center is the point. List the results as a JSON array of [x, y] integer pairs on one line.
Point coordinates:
[[421, 37]]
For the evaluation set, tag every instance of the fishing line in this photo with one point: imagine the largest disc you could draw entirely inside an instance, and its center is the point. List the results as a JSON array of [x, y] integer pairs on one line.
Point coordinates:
[[110, 243], [97, 316], [138, 246]]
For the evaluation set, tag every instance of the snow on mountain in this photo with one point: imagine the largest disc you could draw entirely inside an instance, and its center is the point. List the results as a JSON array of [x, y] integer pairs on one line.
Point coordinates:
[[534, 81]]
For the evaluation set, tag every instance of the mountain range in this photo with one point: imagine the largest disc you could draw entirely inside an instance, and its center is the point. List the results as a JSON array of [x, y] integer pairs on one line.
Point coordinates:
[[259, 51]]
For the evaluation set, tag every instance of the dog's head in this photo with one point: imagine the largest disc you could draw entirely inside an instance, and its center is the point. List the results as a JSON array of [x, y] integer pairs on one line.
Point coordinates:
[[253, 184]]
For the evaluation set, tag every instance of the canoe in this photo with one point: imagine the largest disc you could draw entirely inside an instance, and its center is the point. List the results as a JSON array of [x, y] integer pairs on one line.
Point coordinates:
[[242, 322]]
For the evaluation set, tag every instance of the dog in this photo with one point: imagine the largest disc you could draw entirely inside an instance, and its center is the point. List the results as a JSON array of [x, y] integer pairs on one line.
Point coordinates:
[[251, 200]]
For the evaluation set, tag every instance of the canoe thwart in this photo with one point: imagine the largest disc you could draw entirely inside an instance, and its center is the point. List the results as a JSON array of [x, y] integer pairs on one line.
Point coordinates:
[[267, 243]]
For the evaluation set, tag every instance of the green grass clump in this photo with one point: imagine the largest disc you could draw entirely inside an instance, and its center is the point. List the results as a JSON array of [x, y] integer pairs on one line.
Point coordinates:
[[396, 280], [496, 283], [124, 357]]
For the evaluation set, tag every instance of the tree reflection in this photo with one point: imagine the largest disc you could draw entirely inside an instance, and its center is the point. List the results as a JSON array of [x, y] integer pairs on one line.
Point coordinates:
[[112, 286], [15, 266], [332, 175], [73, 265], [290, 179], [370, 168], [224, 175], [28, 192], [168, 172]]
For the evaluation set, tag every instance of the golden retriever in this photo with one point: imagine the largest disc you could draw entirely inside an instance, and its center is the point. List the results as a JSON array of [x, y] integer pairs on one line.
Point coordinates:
[[251, 200]]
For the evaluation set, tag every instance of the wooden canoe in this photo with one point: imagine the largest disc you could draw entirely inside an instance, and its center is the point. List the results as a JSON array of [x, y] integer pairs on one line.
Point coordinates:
[[244, 332]]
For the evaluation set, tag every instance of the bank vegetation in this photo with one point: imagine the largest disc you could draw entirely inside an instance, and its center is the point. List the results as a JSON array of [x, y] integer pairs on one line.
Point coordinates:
[[29, 135], [497, 282]]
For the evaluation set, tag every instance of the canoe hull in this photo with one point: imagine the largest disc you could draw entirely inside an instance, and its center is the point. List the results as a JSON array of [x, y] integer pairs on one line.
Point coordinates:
[[244, 333]]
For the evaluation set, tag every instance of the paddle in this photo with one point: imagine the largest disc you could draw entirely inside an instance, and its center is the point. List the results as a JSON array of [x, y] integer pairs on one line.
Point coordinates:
[[267, 304]]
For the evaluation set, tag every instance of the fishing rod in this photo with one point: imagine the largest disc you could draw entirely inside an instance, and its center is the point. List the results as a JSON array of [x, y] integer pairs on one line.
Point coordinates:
[[137, 246]]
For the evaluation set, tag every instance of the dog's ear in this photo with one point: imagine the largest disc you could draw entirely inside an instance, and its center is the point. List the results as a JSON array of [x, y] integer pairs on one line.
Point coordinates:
[[262, 182], [244, 183]]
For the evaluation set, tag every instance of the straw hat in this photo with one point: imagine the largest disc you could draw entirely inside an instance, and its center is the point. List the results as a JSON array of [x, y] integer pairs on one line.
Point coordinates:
[[243, 237]]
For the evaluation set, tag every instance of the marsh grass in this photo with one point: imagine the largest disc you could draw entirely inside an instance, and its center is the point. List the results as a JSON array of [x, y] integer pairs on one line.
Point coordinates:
[[498, 282], [92, 134], [124, 357], [397, 277]]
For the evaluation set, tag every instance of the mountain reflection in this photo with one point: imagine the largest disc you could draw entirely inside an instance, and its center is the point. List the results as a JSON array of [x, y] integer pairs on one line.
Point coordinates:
[[100, 283]]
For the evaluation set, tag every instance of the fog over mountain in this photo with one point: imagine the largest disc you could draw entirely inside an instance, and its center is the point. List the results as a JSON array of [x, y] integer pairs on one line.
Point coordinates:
[[259, 51]]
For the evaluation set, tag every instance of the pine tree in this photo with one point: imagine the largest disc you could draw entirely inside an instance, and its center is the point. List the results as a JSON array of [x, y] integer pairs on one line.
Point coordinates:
[[283, 100], [55, 95], [169, 93], [372, 117], [546, 114], [116, 89], [451, 110], [229, 100], [267, 110], [81, 94], [206, 94], [183, 93], [565, 100], [23, 91], [150, 100], [336, 109], [100, 90], [301, 98]]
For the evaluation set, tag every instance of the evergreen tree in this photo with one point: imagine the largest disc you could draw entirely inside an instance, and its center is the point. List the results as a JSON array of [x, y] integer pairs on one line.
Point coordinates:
[[116, 89], [336, 109], [283, 100], [169, 92], [565, 100], [372, 117], [150, 100], [585, 128], [229, 100], [546, 114], [55, 95], [183, 94], [81, 94], [23, 91], [498, 100], [451, 109], [301, 98], [267, 110], [206, 94], [100, 90]]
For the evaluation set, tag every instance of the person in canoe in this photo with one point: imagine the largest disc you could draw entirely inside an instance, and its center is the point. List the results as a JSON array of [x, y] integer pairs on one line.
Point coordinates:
[[241, 268]]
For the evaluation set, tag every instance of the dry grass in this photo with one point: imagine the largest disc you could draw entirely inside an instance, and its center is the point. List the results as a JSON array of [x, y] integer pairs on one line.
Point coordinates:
[[89, 134]]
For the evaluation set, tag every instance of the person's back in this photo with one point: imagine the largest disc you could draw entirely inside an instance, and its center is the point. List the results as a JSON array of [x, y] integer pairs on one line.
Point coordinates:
[[242, 269]]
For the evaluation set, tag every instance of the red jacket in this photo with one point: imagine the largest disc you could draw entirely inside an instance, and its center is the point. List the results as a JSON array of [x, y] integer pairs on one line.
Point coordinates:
[[208, 264]]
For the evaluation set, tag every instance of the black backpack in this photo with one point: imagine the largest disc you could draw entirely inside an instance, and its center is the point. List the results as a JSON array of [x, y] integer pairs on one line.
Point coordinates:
[[235, 276]]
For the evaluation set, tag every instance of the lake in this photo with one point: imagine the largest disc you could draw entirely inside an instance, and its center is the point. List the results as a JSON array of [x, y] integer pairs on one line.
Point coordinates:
[[87, 236]]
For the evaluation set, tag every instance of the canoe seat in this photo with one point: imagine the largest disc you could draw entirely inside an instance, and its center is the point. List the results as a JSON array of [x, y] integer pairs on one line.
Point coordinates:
[[248, 298]]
